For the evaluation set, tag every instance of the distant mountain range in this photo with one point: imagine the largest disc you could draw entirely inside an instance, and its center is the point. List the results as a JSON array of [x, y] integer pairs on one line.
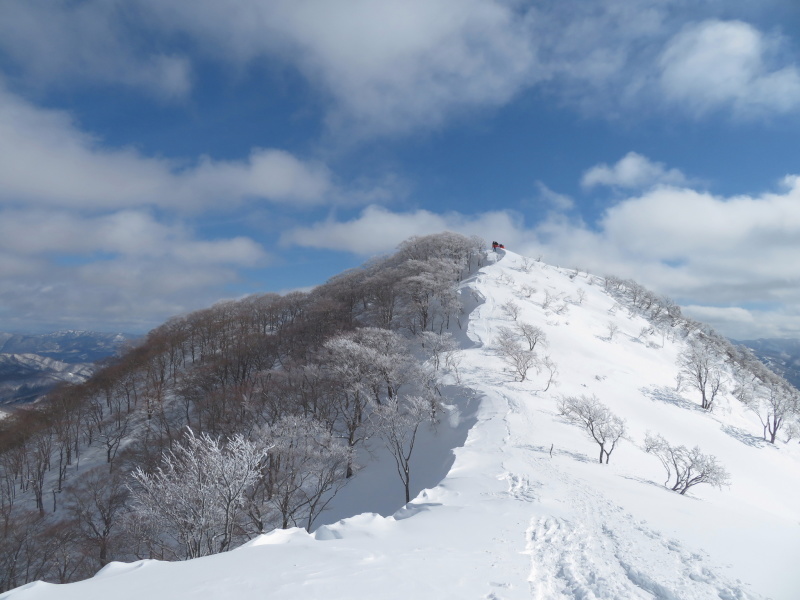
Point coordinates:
[[31, 365], [780, 355]]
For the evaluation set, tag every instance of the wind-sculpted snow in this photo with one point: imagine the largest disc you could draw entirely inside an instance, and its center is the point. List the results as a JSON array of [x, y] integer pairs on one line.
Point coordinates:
[[526, 511]]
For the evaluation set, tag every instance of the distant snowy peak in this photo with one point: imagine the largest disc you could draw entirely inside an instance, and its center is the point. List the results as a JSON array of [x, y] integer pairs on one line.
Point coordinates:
[[780, 355], [36, 362], [26, 377], [68, 346], [31, 365]]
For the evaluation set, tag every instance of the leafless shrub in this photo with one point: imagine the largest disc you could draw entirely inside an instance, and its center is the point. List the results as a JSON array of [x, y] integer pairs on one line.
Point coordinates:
[[511, 309], [686, 468]]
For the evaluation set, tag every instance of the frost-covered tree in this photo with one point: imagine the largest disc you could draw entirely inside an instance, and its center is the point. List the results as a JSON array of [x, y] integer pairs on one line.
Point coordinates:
[[429, 293], [603, 426], [443, 350], [196, 495], [390, 364], [686, 467], [517, 356], [701, 370], [303, 468]]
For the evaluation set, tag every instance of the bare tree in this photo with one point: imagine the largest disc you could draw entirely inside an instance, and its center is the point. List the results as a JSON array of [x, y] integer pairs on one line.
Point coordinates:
[[603, 426], [548, 300], [532, 334], [527, 265], [96, 502], [701, 370], [774, 403], [686, 467], [398, 422], [552, 371], [511, 309]]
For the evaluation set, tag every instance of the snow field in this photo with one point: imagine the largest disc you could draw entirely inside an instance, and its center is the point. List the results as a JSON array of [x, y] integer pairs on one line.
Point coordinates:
[[508, 520]]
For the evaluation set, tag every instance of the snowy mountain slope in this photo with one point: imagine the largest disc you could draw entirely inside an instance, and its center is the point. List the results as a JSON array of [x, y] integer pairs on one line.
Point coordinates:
[[66, 346], [780, 355], [526, 511], [25, 377], [31, 365]]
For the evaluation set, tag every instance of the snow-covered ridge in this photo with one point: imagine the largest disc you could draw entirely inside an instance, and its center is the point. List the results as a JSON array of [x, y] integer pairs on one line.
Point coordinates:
[[526, 511], [30, 365]]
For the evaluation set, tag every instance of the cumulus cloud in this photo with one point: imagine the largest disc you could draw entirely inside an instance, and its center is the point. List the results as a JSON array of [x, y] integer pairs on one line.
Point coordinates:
[[553, 200], [397, 66], [633, 171], [46, 159], [128, 233], [717, 64], [388, 67], [124, 270], [709, 251]]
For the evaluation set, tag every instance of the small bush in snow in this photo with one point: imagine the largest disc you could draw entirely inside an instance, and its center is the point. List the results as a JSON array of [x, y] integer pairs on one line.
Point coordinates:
[[685, 467], [515, 354], [511, 309]]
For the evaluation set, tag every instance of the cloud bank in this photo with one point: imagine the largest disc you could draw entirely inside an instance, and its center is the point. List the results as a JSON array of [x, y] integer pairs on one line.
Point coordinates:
[[398, 66], [735, 257]]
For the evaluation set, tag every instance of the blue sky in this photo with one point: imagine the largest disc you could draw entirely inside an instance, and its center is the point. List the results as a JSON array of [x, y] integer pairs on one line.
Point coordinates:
[[157, 156]]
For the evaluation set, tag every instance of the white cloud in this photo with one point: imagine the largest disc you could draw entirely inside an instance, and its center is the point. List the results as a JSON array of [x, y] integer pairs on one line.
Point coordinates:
[[388, 66], [45, 159], [61, 43], [705, 250], [717, 64], [633, 171], [379, 230], [123, 270], [397, 66], [554, 200], [130, 234]]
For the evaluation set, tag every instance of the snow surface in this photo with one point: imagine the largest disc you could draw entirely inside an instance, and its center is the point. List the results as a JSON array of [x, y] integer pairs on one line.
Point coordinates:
[[510, 521]]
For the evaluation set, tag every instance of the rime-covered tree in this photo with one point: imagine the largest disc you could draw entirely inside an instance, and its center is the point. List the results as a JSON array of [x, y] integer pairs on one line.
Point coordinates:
[[686, 467], [303, 468], [195, 497], [517, 356]]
